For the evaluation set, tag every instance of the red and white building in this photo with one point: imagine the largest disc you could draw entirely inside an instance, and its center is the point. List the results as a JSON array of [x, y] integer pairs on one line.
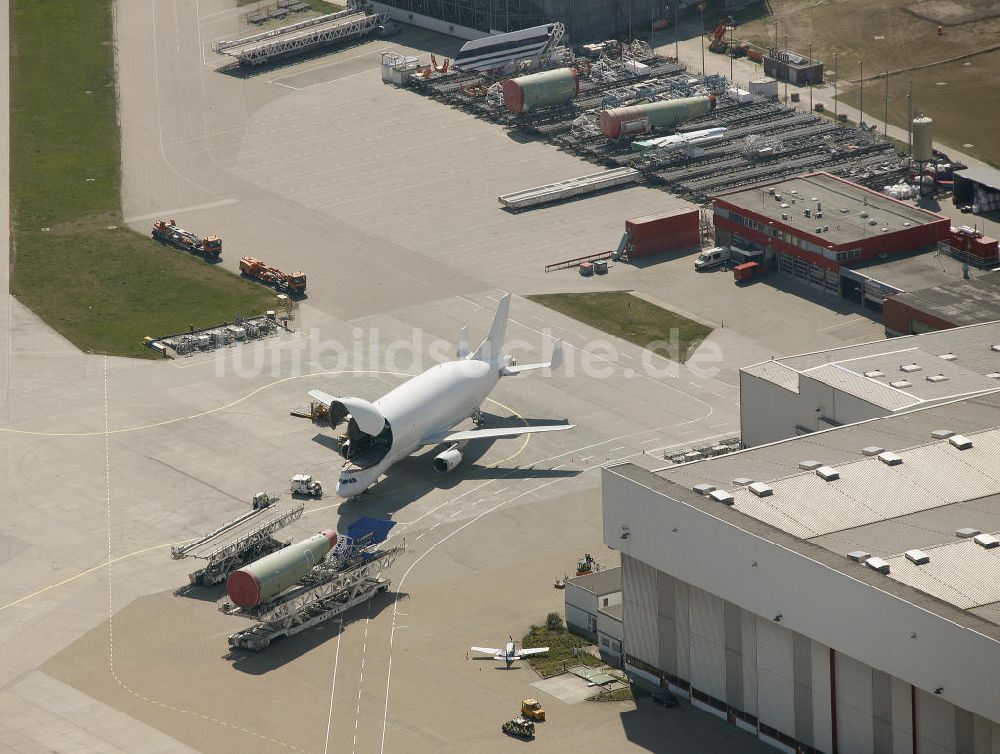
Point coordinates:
[[817, 226]]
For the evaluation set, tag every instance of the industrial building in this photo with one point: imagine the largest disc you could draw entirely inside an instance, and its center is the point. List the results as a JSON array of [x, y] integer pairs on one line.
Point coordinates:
[[816, 225], [810, 392], [472, 19], [838, 592], [785, 65], [586, 595], [977, 188], [955, 304]]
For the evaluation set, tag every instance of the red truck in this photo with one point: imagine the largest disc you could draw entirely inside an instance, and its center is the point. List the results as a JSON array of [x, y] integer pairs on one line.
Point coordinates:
[[748, 271], [169, 232], [283, 282]]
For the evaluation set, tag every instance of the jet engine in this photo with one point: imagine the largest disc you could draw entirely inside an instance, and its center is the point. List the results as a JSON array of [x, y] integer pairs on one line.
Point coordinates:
[[448, 459]]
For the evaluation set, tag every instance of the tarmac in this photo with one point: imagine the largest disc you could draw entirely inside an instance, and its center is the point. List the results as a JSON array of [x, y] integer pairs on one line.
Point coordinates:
[[388, 201]]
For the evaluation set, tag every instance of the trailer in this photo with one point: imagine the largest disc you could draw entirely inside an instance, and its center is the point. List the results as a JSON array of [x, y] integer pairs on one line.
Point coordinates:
[[294, 283], [349, 576], [238, 542], [168, 232]]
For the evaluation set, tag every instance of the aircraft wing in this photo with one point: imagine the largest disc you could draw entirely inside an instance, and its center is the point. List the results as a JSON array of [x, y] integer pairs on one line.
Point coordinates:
[[486, 650], [484, 434], [533, 651]]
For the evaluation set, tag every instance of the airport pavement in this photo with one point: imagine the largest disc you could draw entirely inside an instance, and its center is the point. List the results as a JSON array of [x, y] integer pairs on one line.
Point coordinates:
[[388, 201]]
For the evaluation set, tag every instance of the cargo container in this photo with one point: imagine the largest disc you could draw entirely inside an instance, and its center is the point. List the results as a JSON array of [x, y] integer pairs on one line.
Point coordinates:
[[748, 271], [667, 231], [545, 89], [640, 119], [586, 269]]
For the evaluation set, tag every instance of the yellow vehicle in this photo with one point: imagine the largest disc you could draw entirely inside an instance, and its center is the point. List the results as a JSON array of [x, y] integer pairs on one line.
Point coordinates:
[[531, 709]]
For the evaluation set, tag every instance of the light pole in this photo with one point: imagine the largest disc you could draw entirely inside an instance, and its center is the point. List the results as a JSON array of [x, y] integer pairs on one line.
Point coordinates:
[[701, 7], [861, 98], [885, 124], [732, 28], [677, 31], [836, 97], [810, 77], [909, 120]]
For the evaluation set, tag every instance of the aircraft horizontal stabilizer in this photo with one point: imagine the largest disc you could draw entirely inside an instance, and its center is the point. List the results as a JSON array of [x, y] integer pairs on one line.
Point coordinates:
[[554, 362], [325, 398], [485, 434]]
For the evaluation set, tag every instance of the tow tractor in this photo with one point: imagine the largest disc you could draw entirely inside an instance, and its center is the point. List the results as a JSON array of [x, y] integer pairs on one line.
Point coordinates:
[[293, 283], [303, 484], [169, 232]]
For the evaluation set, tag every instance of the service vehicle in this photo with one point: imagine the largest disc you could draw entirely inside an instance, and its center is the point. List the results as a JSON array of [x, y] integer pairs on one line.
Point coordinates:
[[291, 283], [519, 727], [531, 709], [304, 484], [711, 258], [168, 232], [748, 271]]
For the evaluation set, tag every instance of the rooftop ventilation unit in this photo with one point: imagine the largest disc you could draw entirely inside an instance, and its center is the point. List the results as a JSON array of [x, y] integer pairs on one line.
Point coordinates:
[[760, 489], [960, 441], [785, 205], [872, 450], [742, 481], [877, 564], [704, 489], [936, 378], [873, 222], [809, 465], [814, 198], [885, 230], [844, 210], [721, 496], [819, 215], [771, 191], [806, 212], [859, 556], [987, 541], [784, 216], [917, 557], [819, 228], [995, 348], [889, 458], [777, 196], [826, 228], [863, 214], [906, 224], [948, 356], [967, 533], [793, 192], [914, 367], [941, 434], [874, 373], [900, 384], [994, 375], [827, 473]]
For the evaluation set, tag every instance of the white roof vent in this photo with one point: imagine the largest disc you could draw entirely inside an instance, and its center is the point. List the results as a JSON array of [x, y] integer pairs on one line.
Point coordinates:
[[914, 367], [936, 378], [760, 489], [785, 205], [960, 441], [809, 465], [994, 375], [889, 458], [874, 373], [900, 384], [995, 348], [987, 541], [941, 434], [967, 533], [873, 222], [859, 556], [906, 224], [844, 210], [742, 481], [885, 230], [948, 356], [872, 450], [721, 496], [864, 214], [878, 564], [827, 473], [917, 557], [704, 489]]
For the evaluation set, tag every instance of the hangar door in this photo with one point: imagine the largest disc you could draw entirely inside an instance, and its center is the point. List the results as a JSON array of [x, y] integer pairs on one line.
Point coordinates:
[[775, 677], [855, 722], [708, 643]]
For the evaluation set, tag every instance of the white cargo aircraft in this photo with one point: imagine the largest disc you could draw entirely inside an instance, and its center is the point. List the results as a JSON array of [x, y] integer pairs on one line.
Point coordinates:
[[423, 410]]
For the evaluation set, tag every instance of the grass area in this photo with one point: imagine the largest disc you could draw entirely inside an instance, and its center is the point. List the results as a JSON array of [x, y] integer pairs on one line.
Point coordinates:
[[566, 650], [625, 316], [73, 263]]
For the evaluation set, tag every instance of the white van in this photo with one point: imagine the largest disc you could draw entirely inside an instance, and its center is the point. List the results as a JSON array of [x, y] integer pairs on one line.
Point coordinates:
[[711, 258]]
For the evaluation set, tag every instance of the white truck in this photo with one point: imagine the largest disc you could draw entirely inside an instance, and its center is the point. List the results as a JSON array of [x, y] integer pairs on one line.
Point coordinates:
[[712, 258], [303, 484]]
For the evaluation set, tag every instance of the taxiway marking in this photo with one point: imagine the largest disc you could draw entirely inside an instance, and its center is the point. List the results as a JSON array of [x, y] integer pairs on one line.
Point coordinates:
[[181, 210]]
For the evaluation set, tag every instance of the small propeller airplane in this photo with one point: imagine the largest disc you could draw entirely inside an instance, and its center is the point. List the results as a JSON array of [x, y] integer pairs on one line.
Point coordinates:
[[509, 654]]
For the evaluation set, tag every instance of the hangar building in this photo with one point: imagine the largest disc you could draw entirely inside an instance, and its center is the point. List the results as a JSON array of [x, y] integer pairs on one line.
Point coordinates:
[[838, 592], [953, 304], [815, 227], [796, 395]]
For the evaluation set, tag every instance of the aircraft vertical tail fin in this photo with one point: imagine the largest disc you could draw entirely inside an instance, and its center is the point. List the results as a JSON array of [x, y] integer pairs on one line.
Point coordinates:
[[491, 349]]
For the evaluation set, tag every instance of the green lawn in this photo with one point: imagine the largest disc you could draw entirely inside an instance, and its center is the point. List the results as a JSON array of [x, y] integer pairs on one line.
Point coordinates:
[[104, 289], [561, 644], [625, 316]]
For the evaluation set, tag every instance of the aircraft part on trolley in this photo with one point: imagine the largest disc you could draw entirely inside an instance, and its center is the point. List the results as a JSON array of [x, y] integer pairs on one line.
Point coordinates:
[[639, 119], [542, 89], [268, 577]]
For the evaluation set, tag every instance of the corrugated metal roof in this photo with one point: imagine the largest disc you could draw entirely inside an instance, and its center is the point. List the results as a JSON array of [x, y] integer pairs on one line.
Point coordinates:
[[962, 573], [776, 372], [966, 373]]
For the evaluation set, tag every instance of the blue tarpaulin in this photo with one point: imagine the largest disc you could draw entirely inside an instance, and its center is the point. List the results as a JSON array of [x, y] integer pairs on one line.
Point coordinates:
[[377, 527]]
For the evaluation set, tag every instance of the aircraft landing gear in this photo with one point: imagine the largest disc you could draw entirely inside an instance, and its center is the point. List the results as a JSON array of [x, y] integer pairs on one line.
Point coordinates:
[[477, 418]]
